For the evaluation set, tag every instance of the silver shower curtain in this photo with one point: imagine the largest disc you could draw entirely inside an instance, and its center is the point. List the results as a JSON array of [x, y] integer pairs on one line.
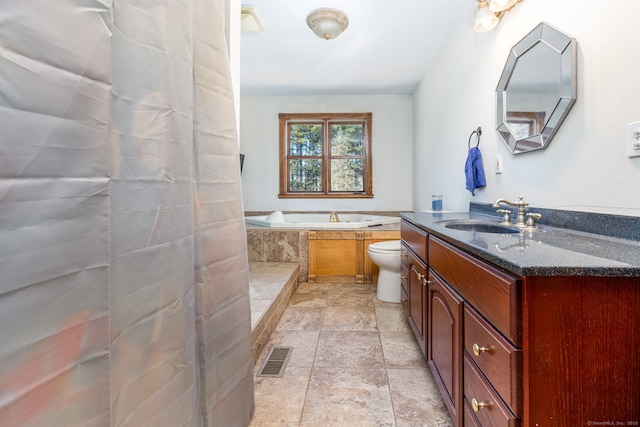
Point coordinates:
[[123, 267]]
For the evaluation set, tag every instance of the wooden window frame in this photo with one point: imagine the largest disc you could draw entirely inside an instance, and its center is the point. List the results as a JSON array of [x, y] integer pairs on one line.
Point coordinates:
[[326, 118]]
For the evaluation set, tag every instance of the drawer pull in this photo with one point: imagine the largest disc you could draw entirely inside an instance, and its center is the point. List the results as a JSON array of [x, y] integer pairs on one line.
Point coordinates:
[[403, 277], [477, 350], [478, 405]]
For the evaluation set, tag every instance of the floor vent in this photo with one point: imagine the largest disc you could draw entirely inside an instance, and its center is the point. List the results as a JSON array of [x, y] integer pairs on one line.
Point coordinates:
[[275, 362]]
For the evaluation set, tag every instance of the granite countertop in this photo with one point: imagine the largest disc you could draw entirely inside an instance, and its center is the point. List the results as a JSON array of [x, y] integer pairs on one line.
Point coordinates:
[[549, 251]]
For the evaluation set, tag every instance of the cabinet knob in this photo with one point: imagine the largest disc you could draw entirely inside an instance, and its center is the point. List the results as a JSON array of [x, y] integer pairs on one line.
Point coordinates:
[[478, 405], [478, 350], [403, 277]]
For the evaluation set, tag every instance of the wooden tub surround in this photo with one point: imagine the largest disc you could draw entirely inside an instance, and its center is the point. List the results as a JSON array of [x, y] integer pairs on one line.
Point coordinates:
[[341, 256], [338, 256]]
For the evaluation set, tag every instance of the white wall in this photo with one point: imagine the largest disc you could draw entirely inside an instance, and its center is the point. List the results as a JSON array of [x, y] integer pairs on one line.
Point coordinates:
[[586, 165], [391, 146]]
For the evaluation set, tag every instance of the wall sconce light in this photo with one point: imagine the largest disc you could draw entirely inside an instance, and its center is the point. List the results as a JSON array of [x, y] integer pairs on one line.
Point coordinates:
[[500, 5], [250, 19], [327, 23], [490, 13]]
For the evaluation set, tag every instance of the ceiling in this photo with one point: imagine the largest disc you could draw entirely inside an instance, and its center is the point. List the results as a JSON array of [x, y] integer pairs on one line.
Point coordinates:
[[386, 49]]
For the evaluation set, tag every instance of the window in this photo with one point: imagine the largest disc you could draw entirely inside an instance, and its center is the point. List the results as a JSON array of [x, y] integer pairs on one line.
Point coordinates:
[[325, 155]]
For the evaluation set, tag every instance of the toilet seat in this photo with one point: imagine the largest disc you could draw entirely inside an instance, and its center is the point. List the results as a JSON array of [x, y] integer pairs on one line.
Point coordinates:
[[386, 247]]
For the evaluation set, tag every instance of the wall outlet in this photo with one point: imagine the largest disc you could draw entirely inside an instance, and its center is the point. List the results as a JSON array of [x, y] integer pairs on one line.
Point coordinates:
[[633, 139], [498, 163]]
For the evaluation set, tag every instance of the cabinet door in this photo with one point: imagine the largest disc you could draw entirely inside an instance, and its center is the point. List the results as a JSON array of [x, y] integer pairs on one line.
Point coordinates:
[[445, 343], [417, 298], [404, 279]]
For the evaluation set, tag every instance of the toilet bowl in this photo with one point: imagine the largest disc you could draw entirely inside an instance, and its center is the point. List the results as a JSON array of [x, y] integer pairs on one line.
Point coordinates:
[[386, 255]]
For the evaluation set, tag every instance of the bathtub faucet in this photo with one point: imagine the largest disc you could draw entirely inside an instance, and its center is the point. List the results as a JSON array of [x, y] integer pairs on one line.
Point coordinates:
[[334, 217]]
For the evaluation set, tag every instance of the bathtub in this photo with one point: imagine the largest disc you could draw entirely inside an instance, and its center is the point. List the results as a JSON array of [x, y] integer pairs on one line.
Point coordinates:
[[314, 220]]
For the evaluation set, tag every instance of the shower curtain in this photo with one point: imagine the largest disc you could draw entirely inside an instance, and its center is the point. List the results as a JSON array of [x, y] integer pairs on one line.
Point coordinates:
[[123, 267]]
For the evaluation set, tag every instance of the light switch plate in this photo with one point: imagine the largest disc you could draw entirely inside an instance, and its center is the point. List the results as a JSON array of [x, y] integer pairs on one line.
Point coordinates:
[[633, 139], [498, 163]]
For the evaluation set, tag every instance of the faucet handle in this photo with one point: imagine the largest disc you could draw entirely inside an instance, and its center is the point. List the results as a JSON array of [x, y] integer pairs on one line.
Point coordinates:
[[531, 216], [506, 219]]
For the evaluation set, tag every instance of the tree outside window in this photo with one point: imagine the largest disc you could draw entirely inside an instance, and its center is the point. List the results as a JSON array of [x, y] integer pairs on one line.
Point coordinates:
[[325, 155]]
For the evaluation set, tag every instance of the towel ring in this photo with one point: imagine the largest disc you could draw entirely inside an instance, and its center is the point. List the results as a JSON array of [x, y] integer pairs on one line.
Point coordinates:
[[478, 132]]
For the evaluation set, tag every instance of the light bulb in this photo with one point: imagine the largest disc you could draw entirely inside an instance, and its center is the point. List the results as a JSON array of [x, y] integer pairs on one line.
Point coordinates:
[[485, 20], [500, 5]]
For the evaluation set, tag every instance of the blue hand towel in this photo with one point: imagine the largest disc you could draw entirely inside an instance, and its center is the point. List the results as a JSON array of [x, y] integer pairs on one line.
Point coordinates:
[[474, 171]]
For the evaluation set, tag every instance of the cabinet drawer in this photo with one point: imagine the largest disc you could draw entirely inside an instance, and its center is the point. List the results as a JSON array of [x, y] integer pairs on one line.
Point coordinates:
[[492, 292], [491, 410], [497, 358], [470, 419], [415, 238]]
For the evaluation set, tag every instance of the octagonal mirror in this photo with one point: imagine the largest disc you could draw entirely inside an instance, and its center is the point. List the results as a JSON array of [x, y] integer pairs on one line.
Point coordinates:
[[536, 90]]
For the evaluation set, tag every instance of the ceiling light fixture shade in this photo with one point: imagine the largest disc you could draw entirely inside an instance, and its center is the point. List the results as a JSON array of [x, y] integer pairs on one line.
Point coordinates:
[[500, 5], [327, 23], [250, 19], [485, 19]]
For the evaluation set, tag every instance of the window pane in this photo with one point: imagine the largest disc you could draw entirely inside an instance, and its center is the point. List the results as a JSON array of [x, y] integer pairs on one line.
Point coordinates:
[[346, 139], [305, 175], [346, 175], [305, 140]]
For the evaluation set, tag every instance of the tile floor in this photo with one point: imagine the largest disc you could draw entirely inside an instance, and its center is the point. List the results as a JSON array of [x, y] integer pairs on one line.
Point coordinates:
[[354, 363]]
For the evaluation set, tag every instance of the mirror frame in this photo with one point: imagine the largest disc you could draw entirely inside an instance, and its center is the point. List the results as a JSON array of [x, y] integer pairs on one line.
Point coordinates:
[[543, 132]]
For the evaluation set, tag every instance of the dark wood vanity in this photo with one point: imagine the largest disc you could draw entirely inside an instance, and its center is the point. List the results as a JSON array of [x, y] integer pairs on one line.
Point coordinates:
[[510, 349]]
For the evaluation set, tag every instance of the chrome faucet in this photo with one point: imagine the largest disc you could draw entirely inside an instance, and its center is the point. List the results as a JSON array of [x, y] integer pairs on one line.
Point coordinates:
[[334, 217], [520, 204]]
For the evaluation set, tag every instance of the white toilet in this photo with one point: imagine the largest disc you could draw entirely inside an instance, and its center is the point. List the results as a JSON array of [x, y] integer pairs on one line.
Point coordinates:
[[386, 255]]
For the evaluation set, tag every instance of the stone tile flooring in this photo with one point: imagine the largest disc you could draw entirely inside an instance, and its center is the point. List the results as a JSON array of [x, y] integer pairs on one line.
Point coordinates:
[[354, 363]]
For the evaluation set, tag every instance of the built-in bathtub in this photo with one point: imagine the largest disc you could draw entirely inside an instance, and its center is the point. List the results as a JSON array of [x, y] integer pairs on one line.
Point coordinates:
[[315, 220]]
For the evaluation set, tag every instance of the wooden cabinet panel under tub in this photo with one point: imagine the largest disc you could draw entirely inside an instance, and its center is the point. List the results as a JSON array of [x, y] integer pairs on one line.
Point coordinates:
[[341, 255]]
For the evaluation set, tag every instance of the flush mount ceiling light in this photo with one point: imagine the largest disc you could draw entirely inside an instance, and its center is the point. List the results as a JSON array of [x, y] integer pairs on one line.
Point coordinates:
[[327, 23], [250, 19], [490, 13]]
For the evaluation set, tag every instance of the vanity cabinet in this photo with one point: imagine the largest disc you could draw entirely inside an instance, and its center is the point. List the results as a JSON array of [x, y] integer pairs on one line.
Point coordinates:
[[414, 277], [463, 342], [529, 351]]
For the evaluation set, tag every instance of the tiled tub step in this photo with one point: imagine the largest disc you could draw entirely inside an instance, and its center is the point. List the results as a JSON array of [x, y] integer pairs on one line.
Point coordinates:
[[271, 285]]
